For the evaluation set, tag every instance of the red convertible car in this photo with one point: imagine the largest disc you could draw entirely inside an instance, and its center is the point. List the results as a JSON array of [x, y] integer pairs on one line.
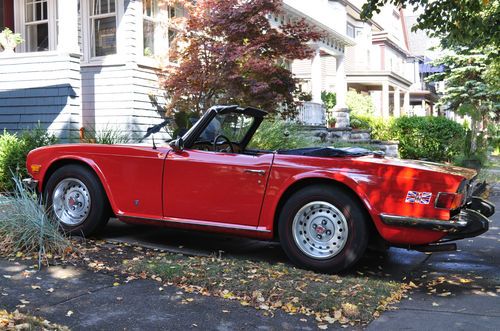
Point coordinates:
[[324, 205]]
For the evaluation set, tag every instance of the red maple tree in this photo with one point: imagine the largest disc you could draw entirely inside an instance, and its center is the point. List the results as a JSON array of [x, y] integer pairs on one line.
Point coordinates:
[[230, 54]]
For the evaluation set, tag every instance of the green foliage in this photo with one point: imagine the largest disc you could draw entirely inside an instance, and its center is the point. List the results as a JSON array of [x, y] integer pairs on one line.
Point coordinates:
[[274, 134], [358, 122], [26, 227], [9, 39], [329, 100], [13, 152], [381, 128], [359, 104], [472, 23], [107, 135], [431, 138]]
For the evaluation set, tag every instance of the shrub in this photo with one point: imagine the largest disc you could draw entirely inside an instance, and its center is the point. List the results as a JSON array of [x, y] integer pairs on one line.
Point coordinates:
[[107, 135], [13, 152], [329, 99], [381, 128], [26, 227], [359, 104], [359, 123], [430, 138], [276, 134]]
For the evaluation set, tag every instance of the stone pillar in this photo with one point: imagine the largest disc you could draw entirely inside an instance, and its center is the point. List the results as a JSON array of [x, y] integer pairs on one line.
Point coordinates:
[[67, 39], [397, 102], [385, 100], [406, 103], [316, 77]]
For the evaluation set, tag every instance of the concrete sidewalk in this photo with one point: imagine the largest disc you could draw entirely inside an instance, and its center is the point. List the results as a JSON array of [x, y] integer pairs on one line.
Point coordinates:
[[83, 300], [469, 300]]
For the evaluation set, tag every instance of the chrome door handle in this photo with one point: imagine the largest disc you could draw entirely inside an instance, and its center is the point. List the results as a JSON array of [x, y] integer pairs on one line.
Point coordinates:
[[258, 172]]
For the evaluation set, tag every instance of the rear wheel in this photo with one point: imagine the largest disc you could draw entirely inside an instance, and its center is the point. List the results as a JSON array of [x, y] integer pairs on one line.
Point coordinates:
[[76, 199], [323, 228]]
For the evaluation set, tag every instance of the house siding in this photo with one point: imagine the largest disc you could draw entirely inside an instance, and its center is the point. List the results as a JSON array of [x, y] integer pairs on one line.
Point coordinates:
[[41, 89]]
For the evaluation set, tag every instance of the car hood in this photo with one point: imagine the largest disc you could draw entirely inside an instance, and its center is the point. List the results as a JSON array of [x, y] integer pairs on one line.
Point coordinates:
[[424, 165]]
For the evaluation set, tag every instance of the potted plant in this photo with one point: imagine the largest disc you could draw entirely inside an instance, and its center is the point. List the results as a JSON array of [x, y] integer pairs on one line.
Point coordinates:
[[9, 40], [331, 121]]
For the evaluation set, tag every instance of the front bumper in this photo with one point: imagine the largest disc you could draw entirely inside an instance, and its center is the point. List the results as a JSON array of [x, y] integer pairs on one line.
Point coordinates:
[[31, 183], [470, 222]]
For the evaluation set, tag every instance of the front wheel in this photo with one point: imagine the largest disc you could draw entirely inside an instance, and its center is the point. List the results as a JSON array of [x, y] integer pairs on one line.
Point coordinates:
[[76, 199], [323, 228]]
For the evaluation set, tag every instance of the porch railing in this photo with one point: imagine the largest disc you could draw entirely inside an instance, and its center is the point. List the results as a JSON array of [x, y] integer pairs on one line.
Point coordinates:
[[311, 113]]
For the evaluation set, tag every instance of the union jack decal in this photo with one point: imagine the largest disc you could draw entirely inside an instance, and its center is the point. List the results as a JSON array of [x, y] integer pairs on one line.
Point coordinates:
[[423, 198]]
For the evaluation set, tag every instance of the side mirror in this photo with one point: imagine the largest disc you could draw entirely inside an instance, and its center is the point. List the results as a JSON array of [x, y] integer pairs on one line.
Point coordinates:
[[177, 144]]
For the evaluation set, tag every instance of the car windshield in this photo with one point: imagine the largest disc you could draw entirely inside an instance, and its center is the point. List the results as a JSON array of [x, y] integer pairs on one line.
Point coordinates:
[[234, 126]]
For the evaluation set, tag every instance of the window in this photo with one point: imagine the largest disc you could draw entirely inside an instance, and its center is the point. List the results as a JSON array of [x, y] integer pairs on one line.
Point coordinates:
[[36, 25], [150, 9], [232, 125], [102, 27], [173, 12], [350, 31]]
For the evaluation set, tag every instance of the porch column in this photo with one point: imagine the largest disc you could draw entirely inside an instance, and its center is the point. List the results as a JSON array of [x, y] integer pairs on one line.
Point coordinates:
[[316, 77], [406, 103], [397, 102], [340, 83], [385, 100], [67, 39]]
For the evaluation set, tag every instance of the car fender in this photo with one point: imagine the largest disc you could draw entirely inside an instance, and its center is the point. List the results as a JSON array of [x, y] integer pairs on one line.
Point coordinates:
[[89, 162], [275, 193]]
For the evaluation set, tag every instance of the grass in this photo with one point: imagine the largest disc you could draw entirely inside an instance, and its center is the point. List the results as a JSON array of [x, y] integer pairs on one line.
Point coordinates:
[[18, 321], [25, 227], [329, 298]]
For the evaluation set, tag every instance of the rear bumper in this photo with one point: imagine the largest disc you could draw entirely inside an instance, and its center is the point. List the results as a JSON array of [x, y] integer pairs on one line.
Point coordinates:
[[470, 222]]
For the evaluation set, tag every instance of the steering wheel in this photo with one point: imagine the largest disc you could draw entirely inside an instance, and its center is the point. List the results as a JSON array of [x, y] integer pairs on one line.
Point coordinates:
[[226, 139]]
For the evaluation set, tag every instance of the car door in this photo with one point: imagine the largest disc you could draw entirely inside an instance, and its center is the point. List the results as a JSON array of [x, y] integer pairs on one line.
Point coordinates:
[[214, 186]]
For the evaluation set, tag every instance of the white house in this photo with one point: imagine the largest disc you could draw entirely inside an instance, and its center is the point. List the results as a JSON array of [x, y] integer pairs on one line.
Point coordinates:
[[91, 63]]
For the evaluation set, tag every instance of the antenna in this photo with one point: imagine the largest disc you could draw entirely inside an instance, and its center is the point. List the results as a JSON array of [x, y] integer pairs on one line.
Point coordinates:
[[153, 138]]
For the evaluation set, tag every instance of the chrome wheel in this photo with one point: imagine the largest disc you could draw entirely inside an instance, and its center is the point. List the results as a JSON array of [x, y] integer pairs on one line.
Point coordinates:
[[71, 201], [320, 230]]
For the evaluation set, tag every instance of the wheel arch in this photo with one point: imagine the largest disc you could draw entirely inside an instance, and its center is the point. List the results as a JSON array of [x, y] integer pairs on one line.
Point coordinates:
[[342, 182], [89, 164]]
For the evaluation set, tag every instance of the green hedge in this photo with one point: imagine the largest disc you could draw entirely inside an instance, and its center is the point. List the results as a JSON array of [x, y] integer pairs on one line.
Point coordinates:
[[432, 138], [13, 151], [274, 134]]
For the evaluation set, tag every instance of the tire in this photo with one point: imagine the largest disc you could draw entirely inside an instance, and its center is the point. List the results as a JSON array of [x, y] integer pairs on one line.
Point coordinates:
[[323, 228], [76, 199]]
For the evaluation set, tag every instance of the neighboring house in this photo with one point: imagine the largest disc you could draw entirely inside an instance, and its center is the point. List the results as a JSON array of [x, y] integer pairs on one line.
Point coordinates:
[[92, 64], [424, 94], [379, 62]]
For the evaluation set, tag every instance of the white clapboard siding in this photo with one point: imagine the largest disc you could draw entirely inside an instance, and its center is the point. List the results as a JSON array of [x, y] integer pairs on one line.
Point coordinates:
[[42, 89]]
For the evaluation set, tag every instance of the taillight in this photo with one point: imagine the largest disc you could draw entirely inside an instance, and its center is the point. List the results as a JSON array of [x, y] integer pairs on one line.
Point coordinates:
[[449, 200]]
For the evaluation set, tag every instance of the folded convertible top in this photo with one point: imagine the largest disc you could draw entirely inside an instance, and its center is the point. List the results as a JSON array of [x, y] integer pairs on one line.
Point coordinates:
[[327, 151]]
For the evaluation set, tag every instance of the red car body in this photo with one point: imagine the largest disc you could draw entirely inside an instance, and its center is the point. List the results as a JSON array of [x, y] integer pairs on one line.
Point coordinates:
[[242, 194]]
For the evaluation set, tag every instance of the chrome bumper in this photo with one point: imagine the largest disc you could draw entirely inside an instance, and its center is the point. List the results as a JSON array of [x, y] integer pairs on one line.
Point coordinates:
[[470, 222], [31, 183]]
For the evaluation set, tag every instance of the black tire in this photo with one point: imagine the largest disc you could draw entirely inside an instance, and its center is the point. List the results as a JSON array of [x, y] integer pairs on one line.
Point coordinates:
[[355, 218], [98, 211]]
